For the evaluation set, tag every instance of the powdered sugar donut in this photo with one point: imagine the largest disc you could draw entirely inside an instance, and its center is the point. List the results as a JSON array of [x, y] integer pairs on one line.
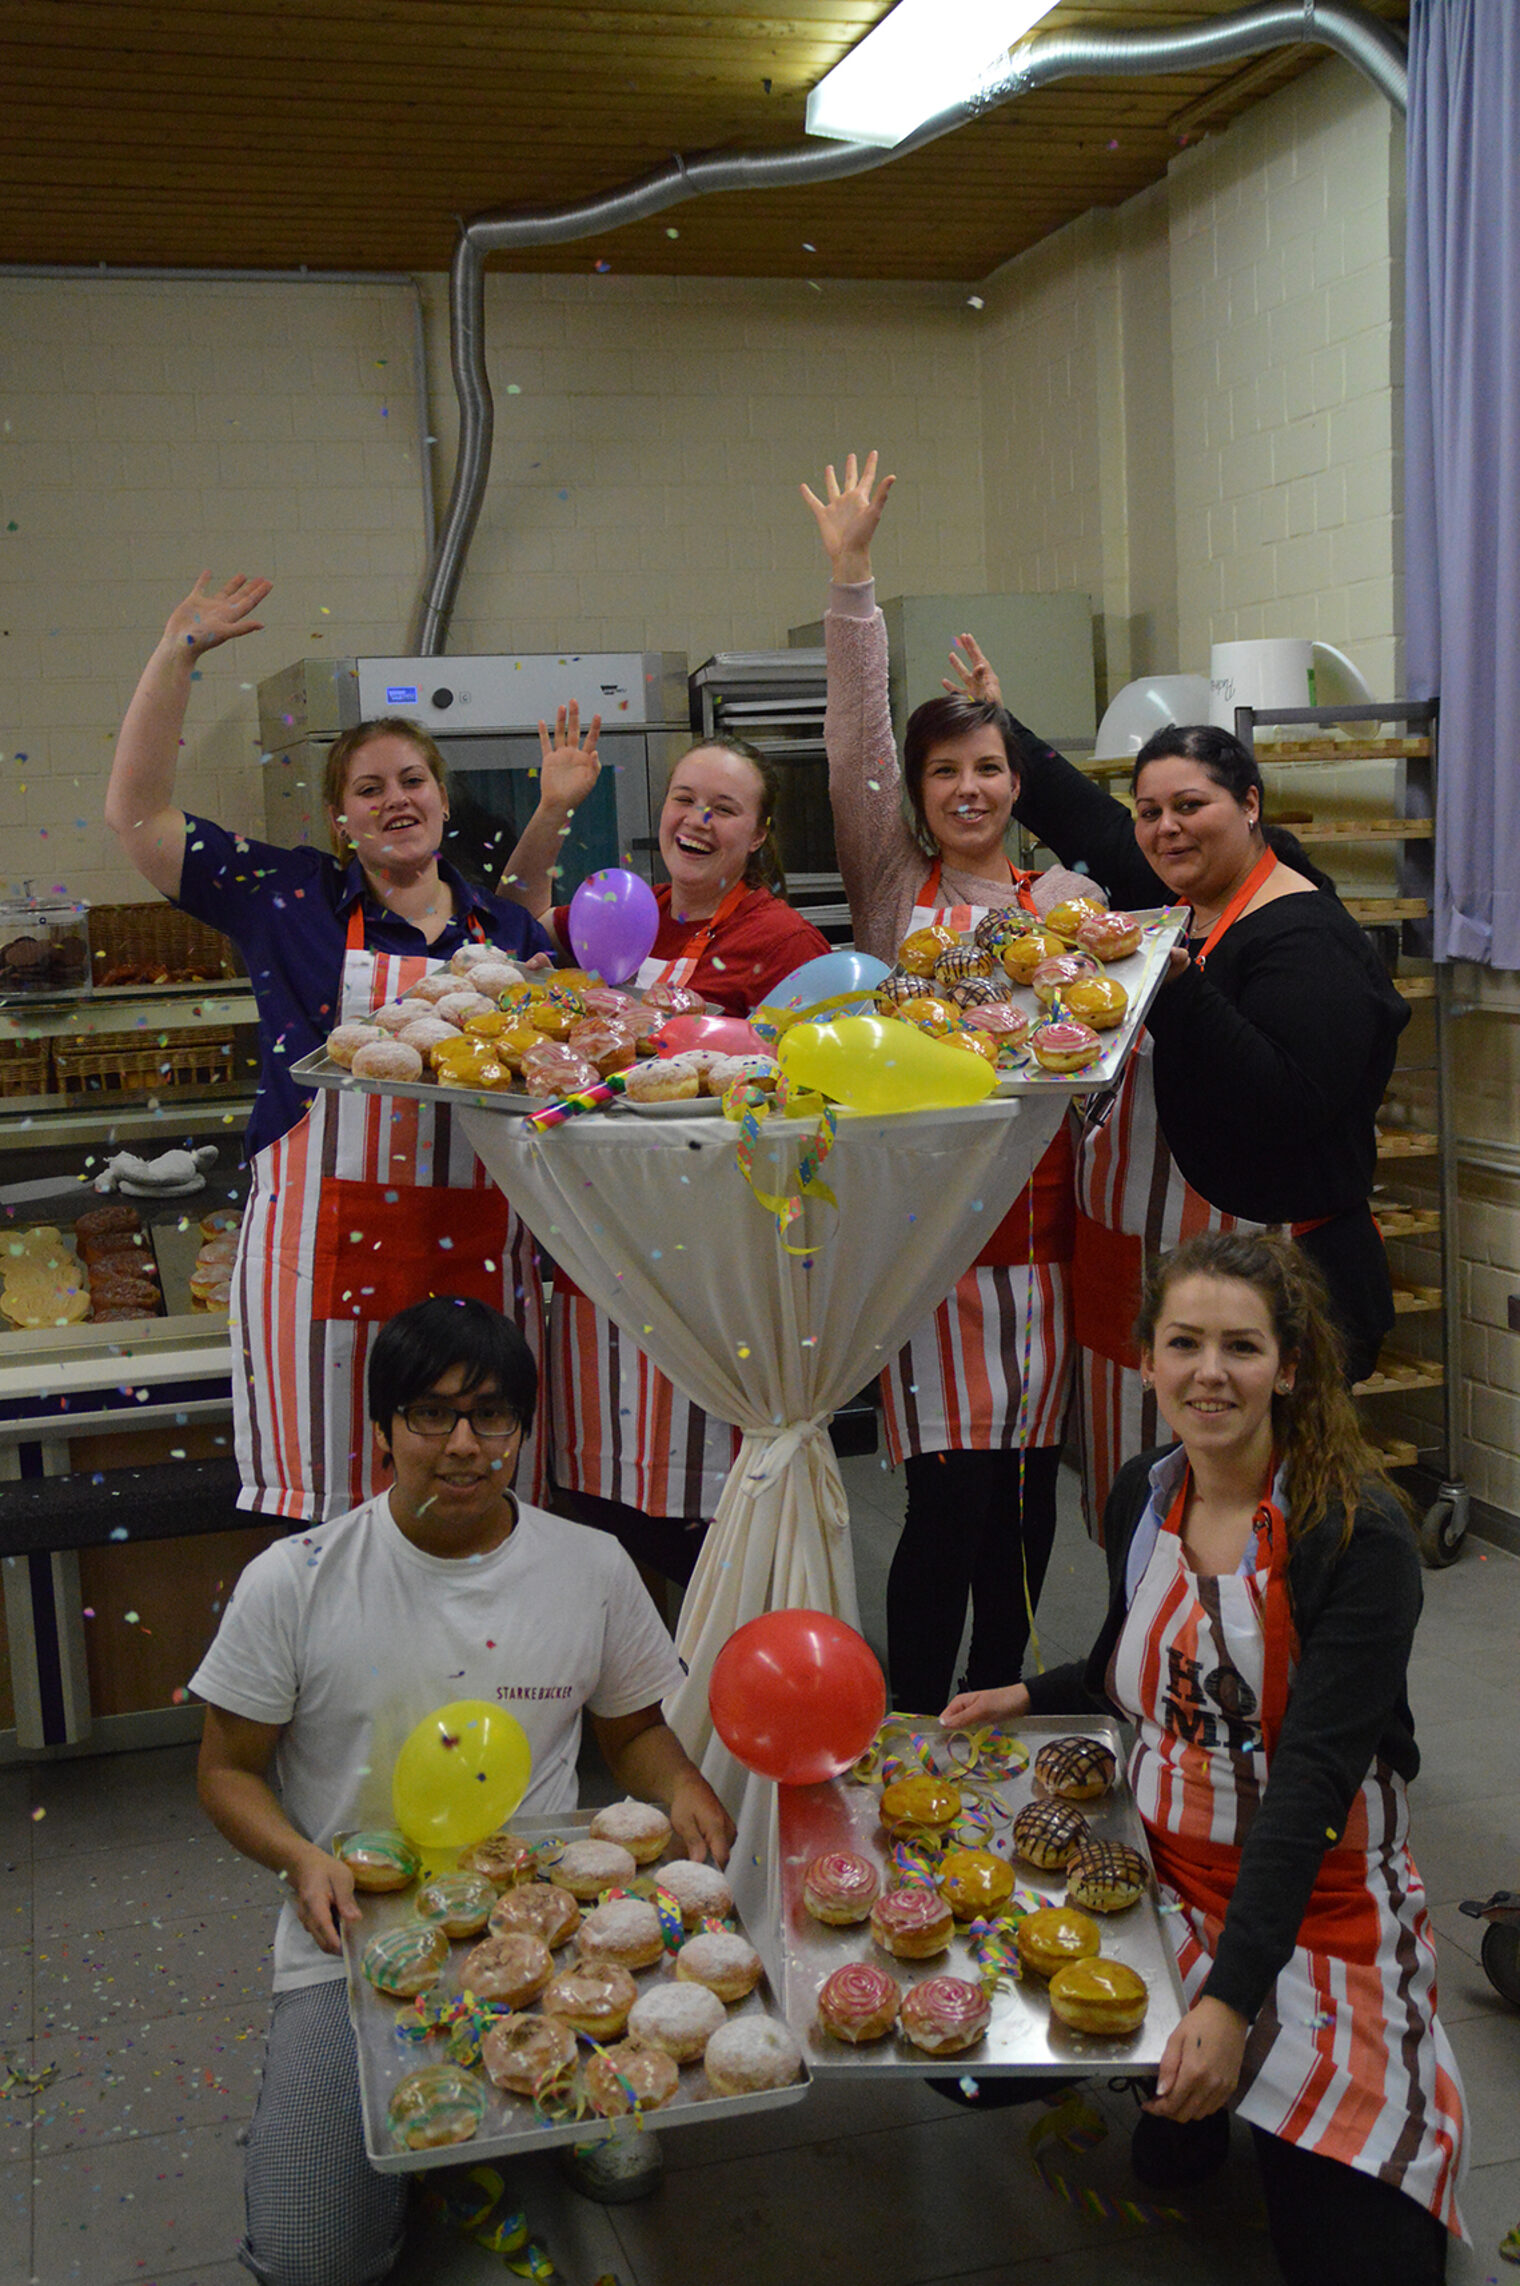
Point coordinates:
[[432, 987], [749, 2053], [473, 955], [638, 1827], [630, 2078], [678, 2019], [386, 1059], [726, 1963], [426, 1032], [700, 1890], [725, 1072], [342, 1043], [663, 1079], [455, 1006], [394, 1015], [625, 1930], [587, 1868], [493, 977]]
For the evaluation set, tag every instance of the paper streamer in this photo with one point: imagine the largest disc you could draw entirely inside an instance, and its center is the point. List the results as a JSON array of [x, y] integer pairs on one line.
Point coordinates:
[[787, 1207], [1076, 2127]]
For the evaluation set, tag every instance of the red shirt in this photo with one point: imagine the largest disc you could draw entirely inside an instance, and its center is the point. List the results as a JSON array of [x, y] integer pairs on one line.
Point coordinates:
[[761, 942]]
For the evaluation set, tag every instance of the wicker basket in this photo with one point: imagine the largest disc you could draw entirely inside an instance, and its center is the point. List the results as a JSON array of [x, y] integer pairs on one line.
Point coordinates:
[[138, 1063], [160, 944], [26, 1067]]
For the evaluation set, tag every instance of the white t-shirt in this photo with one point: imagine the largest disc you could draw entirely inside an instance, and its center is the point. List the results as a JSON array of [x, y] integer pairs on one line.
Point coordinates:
[[347, 1636]]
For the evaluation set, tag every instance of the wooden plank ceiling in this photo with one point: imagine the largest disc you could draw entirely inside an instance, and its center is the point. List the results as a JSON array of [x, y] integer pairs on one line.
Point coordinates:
[[354, 134]]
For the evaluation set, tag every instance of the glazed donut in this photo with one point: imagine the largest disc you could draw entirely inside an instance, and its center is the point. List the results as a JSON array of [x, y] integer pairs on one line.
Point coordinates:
[[859, 2003], [630, 2078], [919, 951], [700, 1890], [663, 1079], [912, 1923], [514, 1969], [1065, 919], [674, 1000], [224, 1222], [975, 1044], [974, 1882], [342, 1043], [1065, 1045], [638, 1827], [999, 928], [1076, 1769], [96, 1222], [921, 1801], [625, 1930], [1110, 936], [1105, 1877], [502, 1858], [678, 2019], [928, 1013], [1049, 1834], [1021, 956], [606, 1000], [552, 1070], [609, 1046], [1098, 1000], [592, 2000], [537, 1909], [840, 1888], [1105, 1997], [377, 1860], [406, 1960], [945, 2014], [725, 1962], [974, 992], [457, 1902], [386, 1060], [963, 961], [439, 2105], [1047, 1940], [521, 2052], [586, 1868], [1053, 976], [1002, 1020], [750, 2053]]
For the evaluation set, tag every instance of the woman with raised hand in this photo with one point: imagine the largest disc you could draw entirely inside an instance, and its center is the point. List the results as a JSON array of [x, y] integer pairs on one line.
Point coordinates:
[[355, 1208], [634, 1455], [1251, 1099], [976, 1400], [1263, 1592]]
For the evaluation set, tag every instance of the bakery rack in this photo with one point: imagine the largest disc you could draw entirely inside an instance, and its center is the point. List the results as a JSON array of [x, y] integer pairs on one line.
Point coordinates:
[[1380, 792]]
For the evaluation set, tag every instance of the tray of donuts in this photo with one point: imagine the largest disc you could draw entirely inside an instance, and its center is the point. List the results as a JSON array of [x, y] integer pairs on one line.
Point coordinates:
[[553, 1987], [1053, 999], [511, 1040], [986, 1900]]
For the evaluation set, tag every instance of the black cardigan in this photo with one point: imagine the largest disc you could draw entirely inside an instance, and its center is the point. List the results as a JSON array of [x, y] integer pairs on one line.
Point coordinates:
[[1354, 1612]]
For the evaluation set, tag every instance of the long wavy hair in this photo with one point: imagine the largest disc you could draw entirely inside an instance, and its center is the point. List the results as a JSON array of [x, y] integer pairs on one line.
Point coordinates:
[[1315, 1426]]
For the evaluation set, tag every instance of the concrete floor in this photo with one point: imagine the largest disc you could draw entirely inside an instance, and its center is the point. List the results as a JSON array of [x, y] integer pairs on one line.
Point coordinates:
[[133, 1965]]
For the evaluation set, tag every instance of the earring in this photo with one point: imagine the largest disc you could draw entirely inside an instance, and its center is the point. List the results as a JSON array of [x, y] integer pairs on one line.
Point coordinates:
[[1284, 1388]]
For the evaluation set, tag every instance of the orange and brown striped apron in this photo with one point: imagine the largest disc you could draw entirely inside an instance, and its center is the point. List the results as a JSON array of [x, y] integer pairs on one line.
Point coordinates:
[[959, 1384], [352, 1215], [1347, 2058]]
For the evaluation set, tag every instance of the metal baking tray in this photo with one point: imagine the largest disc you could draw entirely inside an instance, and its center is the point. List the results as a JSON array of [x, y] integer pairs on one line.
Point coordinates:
[[1023, 2035], [319, 1070], [385, 2056], [1141, 975]]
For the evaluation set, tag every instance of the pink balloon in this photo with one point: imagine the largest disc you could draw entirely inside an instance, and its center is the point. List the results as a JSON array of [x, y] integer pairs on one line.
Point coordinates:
[[730, 1035]]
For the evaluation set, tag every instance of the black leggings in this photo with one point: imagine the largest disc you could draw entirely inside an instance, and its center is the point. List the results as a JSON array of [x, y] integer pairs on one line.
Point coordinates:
[[1330, 2221], [965, 1535]]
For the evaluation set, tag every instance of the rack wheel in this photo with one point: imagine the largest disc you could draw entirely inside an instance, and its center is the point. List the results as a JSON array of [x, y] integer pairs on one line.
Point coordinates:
[[1442, 1532], [1501, 1959]]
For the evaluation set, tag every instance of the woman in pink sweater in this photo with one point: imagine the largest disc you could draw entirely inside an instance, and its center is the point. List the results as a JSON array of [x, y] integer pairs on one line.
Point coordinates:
[[976, 1400]]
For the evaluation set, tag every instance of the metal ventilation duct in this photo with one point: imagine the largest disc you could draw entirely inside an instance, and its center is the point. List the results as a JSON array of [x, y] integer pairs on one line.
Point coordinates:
[[1338, 24]]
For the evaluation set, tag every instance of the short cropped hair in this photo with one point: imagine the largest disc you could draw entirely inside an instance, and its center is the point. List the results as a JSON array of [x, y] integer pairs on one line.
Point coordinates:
[[417, 1347]]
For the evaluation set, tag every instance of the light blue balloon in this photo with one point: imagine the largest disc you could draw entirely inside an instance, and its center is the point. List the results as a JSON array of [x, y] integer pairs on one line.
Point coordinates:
[[827, 977]]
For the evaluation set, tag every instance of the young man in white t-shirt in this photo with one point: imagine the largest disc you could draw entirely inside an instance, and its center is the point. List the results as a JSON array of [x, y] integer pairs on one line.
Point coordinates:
[[334, 1645]]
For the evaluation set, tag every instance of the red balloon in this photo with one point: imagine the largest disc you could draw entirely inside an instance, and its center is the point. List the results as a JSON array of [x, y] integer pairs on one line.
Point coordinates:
[[730, 1035], [797, 1696]]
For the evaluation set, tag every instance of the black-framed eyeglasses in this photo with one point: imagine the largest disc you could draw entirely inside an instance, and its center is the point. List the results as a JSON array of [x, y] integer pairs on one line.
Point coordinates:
[[490, 1418]]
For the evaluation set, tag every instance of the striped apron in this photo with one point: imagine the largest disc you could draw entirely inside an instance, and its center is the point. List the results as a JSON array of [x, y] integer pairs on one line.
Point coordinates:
[[1347, 2058], [958, 1383], [619, 1427], [352, 1215]]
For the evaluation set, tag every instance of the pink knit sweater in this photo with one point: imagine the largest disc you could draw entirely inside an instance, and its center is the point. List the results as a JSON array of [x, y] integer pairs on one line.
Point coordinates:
[[883, 866]]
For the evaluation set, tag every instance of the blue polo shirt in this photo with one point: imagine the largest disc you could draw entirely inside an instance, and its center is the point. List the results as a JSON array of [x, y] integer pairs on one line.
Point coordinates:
[[287, 911]]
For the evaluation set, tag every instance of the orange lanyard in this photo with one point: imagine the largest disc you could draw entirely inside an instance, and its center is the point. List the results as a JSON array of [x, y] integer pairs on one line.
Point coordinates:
[[1261, 871], [702, 936], [1022, 882]]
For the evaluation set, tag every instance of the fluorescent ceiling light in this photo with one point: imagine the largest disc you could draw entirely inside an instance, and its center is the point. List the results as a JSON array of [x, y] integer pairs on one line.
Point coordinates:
[[918, 61]]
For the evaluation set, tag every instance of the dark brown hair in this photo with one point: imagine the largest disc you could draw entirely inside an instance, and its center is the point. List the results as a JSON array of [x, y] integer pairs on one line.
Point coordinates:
[[1234, 768], [762, 868], [929, 726], [351, 742], [1315, 1425]]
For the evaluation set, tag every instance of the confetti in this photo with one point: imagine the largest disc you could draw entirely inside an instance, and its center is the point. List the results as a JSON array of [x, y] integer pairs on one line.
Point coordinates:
[[975, 302]]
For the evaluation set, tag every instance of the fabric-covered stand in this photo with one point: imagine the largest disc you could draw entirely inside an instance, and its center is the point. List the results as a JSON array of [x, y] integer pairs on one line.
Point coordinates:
[[652, 1219]]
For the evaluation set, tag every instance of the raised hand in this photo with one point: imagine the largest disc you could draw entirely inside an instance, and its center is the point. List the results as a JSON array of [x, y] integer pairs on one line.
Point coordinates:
[[975, 676], [569, 766], [848, 517], [209, 616]]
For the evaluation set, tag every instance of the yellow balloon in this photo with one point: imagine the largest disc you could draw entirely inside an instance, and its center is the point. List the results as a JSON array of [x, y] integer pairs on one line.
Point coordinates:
[[460, 1774], [873, 1063]]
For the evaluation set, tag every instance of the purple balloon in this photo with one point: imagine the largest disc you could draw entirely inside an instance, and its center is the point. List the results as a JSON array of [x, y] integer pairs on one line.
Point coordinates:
[[613, 922]]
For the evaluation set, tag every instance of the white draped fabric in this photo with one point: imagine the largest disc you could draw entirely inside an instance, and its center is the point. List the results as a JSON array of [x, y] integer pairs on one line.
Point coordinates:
[[653, 1219]]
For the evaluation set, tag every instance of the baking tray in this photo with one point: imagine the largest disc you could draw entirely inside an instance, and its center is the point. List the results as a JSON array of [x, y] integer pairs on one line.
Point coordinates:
[[1142, 974], [319, 1070], [385, 2056], [1023, 2037]]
